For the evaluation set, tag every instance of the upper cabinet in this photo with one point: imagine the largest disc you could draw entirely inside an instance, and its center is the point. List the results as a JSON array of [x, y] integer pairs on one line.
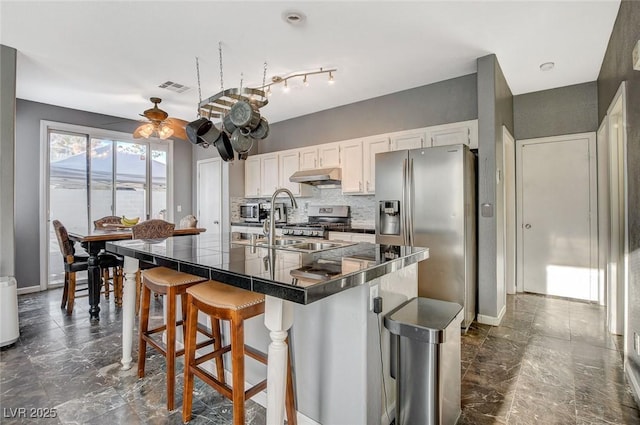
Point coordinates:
[[265, 173], [412, 139], [308, 158], [329, 155], [358, 159], [352, 167], [288, 163], [320, 156], [465, 133], [269, 176], [252, 176], [370, 147]]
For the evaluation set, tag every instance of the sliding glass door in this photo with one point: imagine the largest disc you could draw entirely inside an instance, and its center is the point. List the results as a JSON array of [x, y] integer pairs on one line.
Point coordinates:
[[92, 176]]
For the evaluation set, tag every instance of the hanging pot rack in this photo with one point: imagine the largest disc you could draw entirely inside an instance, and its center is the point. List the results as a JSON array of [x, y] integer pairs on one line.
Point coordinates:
[[218, 105]]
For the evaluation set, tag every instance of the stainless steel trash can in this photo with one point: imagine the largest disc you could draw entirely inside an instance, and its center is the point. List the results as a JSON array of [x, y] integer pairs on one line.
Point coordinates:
[[425, 361], [9, 329]]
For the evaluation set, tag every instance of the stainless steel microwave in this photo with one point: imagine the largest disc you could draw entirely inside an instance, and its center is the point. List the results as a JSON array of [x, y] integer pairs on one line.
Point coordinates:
[[252, 213]]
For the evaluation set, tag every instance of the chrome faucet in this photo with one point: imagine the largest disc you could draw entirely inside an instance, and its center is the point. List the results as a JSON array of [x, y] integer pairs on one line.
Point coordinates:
[[272, 221]]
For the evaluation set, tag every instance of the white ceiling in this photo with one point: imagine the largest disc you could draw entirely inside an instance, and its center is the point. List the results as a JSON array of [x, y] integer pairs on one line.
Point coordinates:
[[110, 57]]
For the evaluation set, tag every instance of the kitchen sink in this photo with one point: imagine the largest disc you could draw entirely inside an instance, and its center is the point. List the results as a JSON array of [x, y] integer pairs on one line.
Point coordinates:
[[281, 242], [302, 245], [316, 246]]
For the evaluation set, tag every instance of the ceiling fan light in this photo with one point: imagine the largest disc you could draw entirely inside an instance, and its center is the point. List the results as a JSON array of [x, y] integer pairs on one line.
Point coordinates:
[[146, 130], [165, 131]]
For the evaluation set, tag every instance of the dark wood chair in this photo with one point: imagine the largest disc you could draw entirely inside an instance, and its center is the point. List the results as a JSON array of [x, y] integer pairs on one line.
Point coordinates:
[[235, 305], [74, 263], [154, 229], [106, 275], [170, 283]]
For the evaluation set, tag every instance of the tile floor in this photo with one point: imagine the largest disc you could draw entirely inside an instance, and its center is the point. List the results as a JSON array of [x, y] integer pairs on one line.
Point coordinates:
[[550, 362]]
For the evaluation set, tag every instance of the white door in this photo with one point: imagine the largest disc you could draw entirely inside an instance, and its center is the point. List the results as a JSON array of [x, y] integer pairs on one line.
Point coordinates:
[[209, 199], [558, 216]]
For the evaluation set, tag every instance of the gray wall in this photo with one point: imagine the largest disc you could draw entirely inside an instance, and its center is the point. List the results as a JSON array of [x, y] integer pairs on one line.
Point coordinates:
[[439, 103], [565, 110], [28, 173], [616, 67], [7, 156], [495, 109]]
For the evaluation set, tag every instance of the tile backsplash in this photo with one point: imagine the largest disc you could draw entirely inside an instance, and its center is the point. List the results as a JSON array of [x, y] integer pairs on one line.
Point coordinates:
[[362, 207]]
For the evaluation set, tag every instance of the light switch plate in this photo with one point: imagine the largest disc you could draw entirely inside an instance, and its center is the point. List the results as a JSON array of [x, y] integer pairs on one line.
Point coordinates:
[[636, 56]]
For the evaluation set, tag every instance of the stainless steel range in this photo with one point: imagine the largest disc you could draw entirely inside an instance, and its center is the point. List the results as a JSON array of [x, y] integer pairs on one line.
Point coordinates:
[[322, 220]]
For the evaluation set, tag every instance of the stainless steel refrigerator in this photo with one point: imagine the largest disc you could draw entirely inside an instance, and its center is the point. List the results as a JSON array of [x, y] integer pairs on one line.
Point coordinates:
[[426, 197]]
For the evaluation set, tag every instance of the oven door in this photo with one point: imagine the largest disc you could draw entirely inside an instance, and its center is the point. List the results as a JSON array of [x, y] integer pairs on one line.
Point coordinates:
[[250, 212]]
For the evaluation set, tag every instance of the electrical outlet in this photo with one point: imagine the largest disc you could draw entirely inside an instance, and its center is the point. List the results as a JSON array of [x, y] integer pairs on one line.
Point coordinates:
[[373, 293], [179, 208]]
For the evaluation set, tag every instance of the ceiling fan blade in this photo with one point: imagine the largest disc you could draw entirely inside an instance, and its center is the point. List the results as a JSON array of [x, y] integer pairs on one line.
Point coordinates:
[[178, 127]]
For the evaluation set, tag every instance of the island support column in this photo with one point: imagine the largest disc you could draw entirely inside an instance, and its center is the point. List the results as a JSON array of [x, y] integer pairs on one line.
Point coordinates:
[[278, 318], [128, 309]]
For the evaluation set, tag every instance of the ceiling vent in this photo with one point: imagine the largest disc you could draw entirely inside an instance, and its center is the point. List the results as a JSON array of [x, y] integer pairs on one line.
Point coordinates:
[[175, 87]]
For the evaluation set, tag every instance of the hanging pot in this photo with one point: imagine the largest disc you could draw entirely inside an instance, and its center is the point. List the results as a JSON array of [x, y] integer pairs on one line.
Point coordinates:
[[244, 115], [228, 126], [224, 147], [197, 128], [210, 137], [243, 156], [241, 141], [262, 130]]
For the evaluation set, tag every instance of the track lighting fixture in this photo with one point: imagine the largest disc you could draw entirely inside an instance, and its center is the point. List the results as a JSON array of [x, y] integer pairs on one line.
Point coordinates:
[[276, 79]]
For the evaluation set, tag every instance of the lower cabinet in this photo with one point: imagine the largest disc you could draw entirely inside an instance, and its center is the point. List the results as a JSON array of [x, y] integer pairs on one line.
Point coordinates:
[[352, 237]]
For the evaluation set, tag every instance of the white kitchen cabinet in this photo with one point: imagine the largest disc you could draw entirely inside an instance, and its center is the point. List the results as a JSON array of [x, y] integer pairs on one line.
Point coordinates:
[[320, 156], [269, 174], [358, 159], [329, 155], [289, 163], [261, 175], [465, 132], [308, 158], [352, 237], [411, 139], [363, 237], [252, 176], [370, 147], [352, 167]]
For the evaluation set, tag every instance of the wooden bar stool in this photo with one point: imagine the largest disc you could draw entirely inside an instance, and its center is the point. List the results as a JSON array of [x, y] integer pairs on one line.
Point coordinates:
[[225, 302], [171, 283]]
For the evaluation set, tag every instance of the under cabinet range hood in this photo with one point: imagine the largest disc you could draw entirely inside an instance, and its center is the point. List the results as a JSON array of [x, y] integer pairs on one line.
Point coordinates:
[[318, 177]]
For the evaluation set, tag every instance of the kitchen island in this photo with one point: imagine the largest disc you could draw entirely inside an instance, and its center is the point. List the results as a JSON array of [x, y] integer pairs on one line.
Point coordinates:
[[336, 339]]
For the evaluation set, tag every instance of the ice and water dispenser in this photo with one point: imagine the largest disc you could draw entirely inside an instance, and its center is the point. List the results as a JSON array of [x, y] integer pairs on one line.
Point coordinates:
[[389, 216]]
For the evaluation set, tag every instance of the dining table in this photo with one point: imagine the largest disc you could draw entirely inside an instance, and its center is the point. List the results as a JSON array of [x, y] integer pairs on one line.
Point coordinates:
[[93, 240]]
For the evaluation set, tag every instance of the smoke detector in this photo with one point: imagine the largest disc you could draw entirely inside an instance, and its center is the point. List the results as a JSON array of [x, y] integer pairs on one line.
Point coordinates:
[[294, 17]]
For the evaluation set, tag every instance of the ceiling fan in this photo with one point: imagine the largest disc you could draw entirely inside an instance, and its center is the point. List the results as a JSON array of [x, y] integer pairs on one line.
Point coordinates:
[[160, 124]]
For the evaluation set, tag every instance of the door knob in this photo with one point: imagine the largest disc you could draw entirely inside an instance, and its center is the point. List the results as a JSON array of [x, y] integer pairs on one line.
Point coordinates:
[[527, 226]]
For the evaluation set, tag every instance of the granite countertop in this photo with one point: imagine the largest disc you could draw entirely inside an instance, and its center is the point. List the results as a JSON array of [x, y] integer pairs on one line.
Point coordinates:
[[275, 272]]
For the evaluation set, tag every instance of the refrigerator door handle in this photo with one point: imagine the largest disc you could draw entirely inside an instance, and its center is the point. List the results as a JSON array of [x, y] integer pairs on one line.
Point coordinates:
[[403, 209], [409, 207]]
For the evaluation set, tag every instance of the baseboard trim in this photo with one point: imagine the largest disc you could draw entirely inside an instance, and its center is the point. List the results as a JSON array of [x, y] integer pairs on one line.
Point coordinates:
[[29, 290], [634, 381], [492, 320]]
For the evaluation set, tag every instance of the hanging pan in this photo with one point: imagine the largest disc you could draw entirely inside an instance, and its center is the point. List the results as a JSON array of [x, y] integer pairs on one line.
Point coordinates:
[[223, 144]]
